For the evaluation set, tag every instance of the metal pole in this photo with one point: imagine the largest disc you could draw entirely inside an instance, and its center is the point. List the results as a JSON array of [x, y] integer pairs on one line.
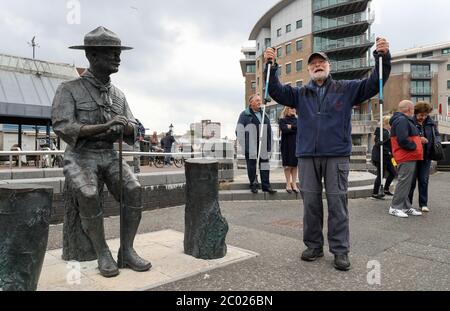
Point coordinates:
[[263, 118], [381, 126], [122, 216]]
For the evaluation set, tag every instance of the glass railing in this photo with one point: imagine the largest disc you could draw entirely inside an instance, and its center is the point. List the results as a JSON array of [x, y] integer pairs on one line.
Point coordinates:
[[421, 75], [361, 117], [421, 91], [356, 63], [323, 4], [322, 23], [323, 44]]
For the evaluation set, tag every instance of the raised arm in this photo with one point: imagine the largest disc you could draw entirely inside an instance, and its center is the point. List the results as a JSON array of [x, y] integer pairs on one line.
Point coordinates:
[[285, 95], [365, 89]]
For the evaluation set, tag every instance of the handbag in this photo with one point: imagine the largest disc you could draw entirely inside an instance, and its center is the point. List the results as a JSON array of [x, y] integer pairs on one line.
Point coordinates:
[[436, 152]]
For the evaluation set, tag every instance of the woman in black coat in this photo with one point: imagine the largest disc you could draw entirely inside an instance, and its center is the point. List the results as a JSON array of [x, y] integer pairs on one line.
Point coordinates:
[[288, 128], [387, 160], [426, 127]]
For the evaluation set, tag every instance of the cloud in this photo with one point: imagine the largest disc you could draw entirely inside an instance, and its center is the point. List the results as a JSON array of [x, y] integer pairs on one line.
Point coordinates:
[[185, 65]]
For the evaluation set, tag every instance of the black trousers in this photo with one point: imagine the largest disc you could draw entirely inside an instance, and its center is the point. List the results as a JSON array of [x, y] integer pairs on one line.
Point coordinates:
[[391, 173], [264, 172]]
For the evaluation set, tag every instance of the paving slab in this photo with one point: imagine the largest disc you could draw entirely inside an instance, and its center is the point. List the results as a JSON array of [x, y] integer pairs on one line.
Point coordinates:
[[163, 248]]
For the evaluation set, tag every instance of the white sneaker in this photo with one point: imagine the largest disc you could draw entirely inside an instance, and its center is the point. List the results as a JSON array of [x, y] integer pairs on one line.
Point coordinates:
[[397, 213], [413, 212], [425, 209]]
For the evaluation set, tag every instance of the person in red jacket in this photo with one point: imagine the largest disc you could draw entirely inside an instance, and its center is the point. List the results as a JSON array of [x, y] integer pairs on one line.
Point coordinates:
[[407, 149]]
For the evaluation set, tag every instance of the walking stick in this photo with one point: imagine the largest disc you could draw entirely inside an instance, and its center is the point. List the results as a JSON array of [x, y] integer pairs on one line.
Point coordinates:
[[122, 212], [263, 118], [381, 127]]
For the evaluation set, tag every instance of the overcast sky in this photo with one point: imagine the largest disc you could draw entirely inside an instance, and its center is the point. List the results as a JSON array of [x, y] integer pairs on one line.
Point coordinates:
[[185, 65]]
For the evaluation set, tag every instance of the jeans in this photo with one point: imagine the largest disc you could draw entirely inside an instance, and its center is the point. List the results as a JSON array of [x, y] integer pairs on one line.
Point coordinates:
[[422, 177]]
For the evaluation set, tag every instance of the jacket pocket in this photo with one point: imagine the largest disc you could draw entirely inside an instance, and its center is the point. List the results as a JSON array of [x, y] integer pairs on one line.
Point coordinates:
[[87, 112], [343, 172]]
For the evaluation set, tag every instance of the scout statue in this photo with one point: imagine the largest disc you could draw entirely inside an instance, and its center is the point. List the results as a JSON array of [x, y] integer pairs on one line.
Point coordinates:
[[90, 115]]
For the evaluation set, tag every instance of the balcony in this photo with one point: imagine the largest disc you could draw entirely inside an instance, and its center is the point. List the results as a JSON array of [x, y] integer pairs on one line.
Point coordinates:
[[343, 26], [426, 91], [356, 45], [422, 75], [339, 7], [355, 68]]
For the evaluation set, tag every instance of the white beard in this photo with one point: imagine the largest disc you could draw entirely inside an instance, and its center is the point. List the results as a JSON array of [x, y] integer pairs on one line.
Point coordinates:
[[323, 75]]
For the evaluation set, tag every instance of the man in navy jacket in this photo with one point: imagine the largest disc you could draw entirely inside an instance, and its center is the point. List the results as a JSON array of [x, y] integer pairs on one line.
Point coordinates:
[[248, 134], [324, 145]]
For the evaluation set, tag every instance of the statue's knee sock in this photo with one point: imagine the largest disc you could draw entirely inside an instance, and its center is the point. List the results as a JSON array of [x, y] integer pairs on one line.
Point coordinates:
[[93, 227]]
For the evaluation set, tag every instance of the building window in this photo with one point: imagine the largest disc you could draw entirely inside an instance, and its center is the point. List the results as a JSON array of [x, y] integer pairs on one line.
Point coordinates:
[[448, 84], [288, 49], [288, 28], [257, 81], [299, 24], [299, 83], [278, 52], [446, 51], [416, 99], [411, 56], [257, 63], [299, 65], [289, 68], [253, 85], [420, 68], [251, 68], [258, 46], [448, 67], [280, 70], [267, 42], [279, 32], [427, 54], [299, 45]]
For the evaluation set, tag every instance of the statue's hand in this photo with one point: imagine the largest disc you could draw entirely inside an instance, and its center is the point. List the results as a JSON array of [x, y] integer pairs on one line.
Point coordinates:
[[118, 120]]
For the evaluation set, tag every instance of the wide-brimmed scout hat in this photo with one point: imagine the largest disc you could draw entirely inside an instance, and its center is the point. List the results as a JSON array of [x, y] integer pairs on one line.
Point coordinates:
[[101, 38]]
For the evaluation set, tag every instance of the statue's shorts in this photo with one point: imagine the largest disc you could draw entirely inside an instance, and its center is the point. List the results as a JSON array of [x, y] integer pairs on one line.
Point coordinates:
[[84, 169]]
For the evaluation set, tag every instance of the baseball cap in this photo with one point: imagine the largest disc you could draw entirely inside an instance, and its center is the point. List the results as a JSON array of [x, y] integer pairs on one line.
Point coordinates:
[[320, 54]]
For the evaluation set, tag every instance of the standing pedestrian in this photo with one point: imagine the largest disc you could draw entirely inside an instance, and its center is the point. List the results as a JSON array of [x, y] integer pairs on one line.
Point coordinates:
[[324, 145], [428, 130], [407, 150], [288, 128], [387, 160], [248, 135]]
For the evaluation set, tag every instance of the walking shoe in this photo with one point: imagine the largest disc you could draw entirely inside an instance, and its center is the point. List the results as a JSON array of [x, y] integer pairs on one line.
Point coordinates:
[[397, 213], [254, 188], [312, 254], [270, 191], [341, 262], [378, 196], [388, 193], [425, 209], [413, 212]]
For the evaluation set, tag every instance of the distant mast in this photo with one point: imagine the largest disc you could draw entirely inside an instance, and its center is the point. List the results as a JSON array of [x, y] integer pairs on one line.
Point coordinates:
[[34, 45]]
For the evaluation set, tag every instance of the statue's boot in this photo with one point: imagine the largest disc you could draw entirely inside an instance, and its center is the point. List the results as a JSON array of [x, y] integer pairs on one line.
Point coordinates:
[[130, 258], [96, 232]]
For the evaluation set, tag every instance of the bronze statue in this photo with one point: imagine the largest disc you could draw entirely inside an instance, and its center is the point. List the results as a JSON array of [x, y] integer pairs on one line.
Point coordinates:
[[90, 114]]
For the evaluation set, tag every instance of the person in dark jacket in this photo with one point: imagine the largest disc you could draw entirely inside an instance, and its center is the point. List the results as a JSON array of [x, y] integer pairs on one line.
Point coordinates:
[[426, 126], [166, 144], [324, 145], [407, 150], [248, 135], [288, 128], [387, 160]]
